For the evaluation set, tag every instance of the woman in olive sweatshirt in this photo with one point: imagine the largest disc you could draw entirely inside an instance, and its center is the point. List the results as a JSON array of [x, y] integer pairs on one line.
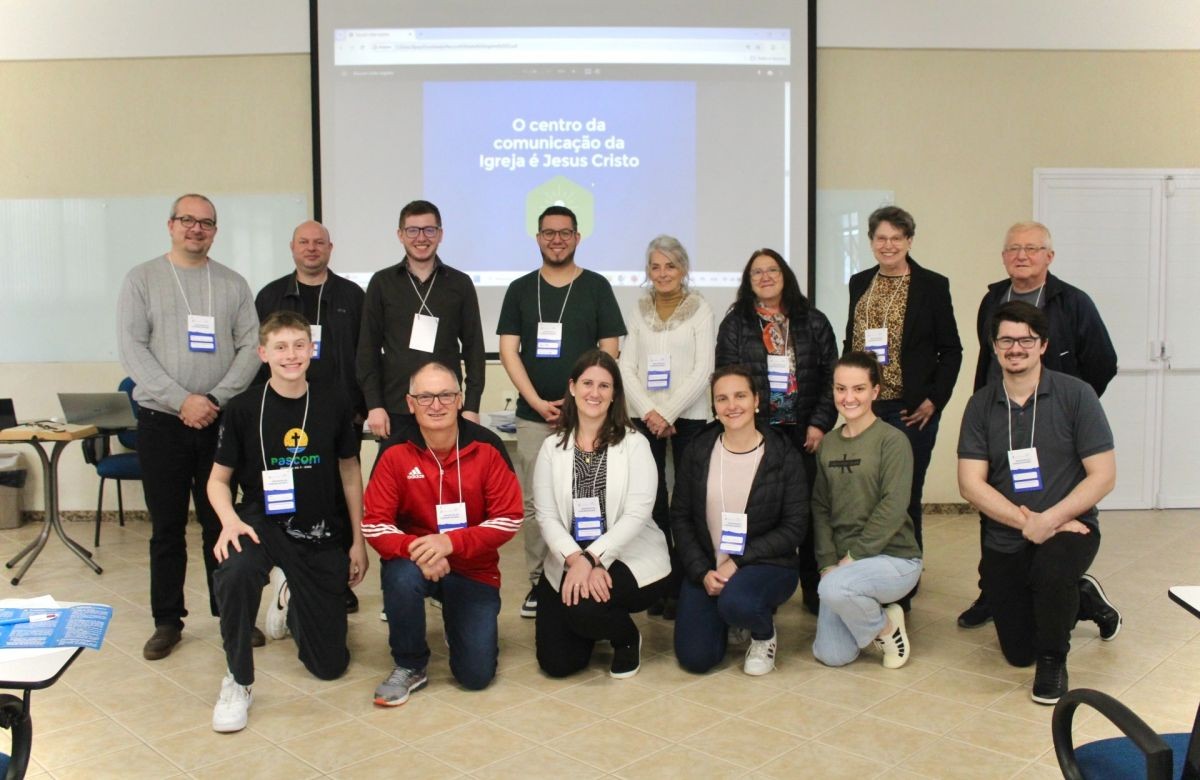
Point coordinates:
[[865, 546]]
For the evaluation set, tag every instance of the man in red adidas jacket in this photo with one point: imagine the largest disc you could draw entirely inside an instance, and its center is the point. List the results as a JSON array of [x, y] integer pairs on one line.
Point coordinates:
[[437, 509]]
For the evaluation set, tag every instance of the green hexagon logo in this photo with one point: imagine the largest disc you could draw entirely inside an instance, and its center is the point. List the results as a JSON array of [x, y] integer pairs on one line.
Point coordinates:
[[560, 191]]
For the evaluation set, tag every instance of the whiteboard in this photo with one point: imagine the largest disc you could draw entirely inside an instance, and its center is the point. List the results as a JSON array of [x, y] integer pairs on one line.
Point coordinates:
[[62, 262]]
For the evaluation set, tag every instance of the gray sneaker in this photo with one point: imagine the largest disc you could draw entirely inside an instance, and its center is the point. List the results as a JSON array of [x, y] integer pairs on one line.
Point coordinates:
[[394, 691]]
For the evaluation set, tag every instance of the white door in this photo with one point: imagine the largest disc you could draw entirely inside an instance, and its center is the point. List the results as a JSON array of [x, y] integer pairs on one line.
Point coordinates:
[[1131, 240], [1179, 484]]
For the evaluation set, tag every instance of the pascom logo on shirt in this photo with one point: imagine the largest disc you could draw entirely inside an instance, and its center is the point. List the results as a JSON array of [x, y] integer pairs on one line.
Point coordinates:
[[295, 441]]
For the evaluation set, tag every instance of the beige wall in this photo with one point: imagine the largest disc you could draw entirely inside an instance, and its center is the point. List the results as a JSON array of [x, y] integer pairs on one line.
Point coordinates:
[[956, 135]]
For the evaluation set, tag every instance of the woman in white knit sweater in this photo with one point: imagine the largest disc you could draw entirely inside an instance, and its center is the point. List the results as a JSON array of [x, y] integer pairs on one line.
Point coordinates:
[[665, 363]]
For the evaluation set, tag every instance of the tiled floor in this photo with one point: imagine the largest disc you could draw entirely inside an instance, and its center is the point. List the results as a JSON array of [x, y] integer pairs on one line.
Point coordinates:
[[956, 710]]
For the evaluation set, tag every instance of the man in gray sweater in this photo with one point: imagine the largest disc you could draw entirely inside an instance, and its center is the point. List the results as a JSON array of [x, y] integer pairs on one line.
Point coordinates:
[[188, 333]]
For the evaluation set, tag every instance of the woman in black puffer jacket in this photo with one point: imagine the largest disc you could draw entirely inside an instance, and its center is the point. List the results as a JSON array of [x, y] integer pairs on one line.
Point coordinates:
[[737, 515], [791, 350]]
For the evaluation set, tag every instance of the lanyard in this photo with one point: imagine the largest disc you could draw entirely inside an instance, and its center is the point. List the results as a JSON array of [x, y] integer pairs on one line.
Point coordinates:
[[595, 476], [565, 297], [442, 471], [888, 309], [423, 307], [1008, 416], [320, 294], [262, 408], [208, 268], [757, 457], [1036, 300]]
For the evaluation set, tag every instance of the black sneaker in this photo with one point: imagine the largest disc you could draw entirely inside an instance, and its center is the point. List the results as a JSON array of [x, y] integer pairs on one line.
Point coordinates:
[[626, 660], [812, 601], [1095, 606], [1050, 679], [351, 602], [976, 615], [529, 605]]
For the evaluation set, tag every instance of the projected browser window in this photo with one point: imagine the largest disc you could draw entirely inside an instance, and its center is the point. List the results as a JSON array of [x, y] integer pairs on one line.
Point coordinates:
[[641, 131]]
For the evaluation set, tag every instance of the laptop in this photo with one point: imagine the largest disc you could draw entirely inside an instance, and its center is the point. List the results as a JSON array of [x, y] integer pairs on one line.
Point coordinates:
[[108, 411], [8, 415]]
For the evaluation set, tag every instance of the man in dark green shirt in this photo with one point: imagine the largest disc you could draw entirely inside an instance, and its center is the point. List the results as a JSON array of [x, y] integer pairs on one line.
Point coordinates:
[[549, 318]]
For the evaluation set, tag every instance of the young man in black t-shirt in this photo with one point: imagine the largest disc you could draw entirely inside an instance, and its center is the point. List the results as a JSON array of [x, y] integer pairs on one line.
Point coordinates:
[[285, 442]]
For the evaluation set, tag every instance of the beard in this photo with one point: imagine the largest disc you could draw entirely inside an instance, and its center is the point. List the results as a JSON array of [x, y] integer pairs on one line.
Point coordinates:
[[548, 260]]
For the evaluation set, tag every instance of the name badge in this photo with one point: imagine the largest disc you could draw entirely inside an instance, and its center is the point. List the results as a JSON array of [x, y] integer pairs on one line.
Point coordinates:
[[1026, 474], [451, 517], [549, 339], [316, 339], [202, 333], [424, 333], [733, 533], [588, 522], [778, 373], [279, 491], [658, 372], [875, 340]]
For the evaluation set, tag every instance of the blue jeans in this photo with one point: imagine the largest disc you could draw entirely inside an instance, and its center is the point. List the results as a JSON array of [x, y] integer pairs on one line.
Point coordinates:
[[922, 441], [748, 600], [469, 611], [851, 604]]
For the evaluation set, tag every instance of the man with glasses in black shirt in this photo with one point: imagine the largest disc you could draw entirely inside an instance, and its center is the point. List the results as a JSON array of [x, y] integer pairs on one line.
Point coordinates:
[[417, 310]]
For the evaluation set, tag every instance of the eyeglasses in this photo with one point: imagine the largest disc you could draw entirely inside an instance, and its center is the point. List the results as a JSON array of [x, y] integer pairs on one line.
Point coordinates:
[[189, 222], [1028, 249], [426, 399], [890, 240], [758, 273], [549, 235], [429, 231], [1026, 342]]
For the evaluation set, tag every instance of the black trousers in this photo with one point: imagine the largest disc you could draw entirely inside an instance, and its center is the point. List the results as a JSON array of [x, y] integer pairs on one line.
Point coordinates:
[[565, 636], [317, 579], [810, 576], [1034, 594], [685, 432], [176, 461]]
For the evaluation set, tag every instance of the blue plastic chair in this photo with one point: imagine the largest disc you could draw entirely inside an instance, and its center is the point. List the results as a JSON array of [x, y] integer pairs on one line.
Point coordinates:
[[118, 466], [15, 717], [1141, 753]]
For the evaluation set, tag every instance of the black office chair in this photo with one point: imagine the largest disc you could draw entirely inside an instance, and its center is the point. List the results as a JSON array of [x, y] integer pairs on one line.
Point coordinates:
[[15, 718], [117, 466], [1141, 753]]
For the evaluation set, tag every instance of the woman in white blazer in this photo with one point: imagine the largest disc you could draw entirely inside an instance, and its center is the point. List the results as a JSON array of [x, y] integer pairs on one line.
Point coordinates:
[[665, 362], [593, 488]]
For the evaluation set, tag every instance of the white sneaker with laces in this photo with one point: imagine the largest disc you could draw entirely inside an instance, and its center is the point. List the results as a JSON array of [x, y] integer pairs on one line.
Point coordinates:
[[277, 610], [895, 647], [760, 658], [232, 709]]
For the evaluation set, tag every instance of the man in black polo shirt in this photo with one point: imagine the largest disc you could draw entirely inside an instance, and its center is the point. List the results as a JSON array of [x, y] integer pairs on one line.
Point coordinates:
[[417, 310], [289, 445], [333, 305], [1035, 455]]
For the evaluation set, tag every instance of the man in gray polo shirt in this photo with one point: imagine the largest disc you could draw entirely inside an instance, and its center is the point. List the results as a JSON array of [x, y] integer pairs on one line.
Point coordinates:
[[1035, 455], [188, 335]]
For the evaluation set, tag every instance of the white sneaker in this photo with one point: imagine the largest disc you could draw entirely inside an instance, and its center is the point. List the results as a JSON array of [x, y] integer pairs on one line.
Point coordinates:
[[277, 610], [233, 706], [760, 658], [895, 648]]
